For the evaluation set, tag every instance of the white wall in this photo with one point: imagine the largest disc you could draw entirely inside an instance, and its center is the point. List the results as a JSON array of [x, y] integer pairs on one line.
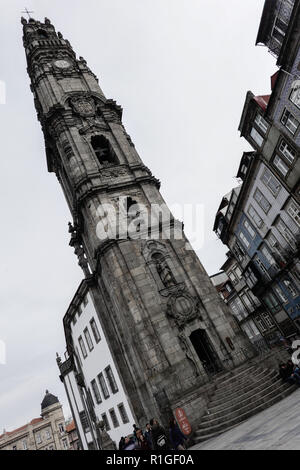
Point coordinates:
[[95, 362]]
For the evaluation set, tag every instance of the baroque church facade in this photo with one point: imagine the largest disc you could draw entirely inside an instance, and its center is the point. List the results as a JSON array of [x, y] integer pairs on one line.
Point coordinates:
[[167, 328]]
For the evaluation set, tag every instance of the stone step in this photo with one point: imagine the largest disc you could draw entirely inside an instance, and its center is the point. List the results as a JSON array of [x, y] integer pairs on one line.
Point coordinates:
[[224, 388], [231, 381], [221, 376], [243, 406], [206, 437], [261, 380], [224, 425], [260, 386]]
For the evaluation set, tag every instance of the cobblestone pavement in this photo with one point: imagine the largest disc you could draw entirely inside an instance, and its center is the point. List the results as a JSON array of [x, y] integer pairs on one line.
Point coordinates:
[[277, 428]]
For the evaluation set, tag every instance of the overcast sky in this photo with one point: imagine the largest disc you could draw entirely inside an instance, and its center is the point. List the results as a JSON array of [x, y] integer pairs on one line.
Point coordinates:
[[181, 70]]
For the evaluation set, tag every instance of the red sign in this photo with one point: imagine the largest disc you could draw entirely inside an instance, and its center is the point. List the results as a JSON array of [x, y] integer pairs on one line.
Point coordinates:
[[183, 421]]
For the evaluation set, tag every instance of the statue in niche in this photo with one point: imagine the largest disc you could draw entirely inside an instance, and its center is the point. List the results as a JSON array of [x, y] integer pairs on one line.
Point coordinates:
[[164, 271]]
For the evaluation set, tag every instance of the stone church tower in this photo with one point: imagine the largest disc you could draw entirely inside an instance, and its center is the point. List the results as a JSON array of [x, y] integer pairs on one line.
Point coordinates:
[[167, 328]]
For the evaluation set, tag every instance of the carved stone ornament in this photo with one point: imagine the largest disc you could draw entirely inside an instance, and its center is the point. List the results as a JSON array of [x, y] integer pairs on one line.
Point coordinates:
[[84, 106], [182, 307]]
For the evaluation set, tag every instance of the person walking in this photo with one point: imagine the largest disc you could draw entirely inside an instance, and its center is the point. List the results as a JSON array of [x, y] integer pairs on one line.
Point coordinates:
[[142, 443], [148, 435], [177, 438], [159, 437]]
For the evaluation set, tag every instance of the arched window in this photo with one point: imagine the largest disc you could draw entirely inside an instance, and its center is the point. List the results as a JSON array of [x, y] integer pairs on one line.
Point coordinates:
[[103, 150]]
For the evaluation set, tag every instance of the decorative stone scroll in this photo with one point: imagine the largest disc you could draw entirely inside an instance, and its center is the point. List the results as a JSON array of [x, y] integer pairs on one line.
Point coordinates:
[[83, 105], [182, 307]]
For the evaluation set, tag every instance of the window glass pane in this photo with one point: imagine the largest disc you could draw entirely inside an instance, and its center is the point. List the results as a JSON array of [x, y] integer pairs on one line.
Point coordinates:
[[287, 151], [289, 121], [244, 240], [295, 96], [254, 216], [262, 124], [271, 182], [294, 212], [123, 413], [262, 201], [256, 137], [95, 330], [82, 347], [114, 418], [88, 339], [282, 167], [290, 287], [286, 233], [111, 380], [249, 228], [96, 391], [103, 385]]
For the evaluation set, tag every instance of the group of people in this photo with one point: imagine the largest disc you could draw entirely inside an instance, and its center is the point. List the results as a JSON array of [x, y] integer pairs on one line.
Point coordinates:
[[154, 438], [290, 373]]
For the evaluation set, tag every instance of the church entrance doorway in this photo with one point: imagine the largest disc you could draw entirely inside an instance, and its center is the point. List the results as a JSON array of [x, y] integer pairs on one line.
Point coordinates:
[[205, 351]]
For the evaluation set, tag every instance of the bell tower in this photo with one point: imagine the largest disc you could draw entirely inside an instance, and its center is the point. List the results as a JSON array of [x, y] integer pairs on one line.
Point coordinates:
[[168, 330]]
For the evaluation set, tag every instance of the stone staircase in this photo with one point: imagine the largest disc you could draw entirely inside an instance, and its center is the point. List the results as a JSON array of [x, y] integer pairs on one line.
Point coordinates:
[[238, 395]]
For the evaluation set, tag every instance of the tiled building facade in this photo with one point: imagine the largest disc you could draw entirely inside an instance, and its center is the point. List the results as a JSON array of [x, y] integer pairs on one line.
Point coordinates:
[[262, 231]]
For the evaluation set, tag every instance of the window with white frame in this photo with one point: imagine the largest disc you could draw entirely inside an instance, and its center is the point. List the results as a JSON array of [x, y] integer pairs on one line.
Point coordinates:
[[271, 182], [272, 302], [238, 272], [286, 233], [261, 123], [25, 446], [247, 301], [290, 287], [244, 239], [61, 428], [258, 139], [255, 217], [261, 266], [268, 320], [280, 165], [38, 438], [82, 347], [294, 212], [248, 331], [233, 278], [295, 96], [287, 151], [283, 298], [262, 201], [279, 30], [265, 251], [249, 228], [261, 324], [250, 277], [88, 339], [289, 121], [238, 251]]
